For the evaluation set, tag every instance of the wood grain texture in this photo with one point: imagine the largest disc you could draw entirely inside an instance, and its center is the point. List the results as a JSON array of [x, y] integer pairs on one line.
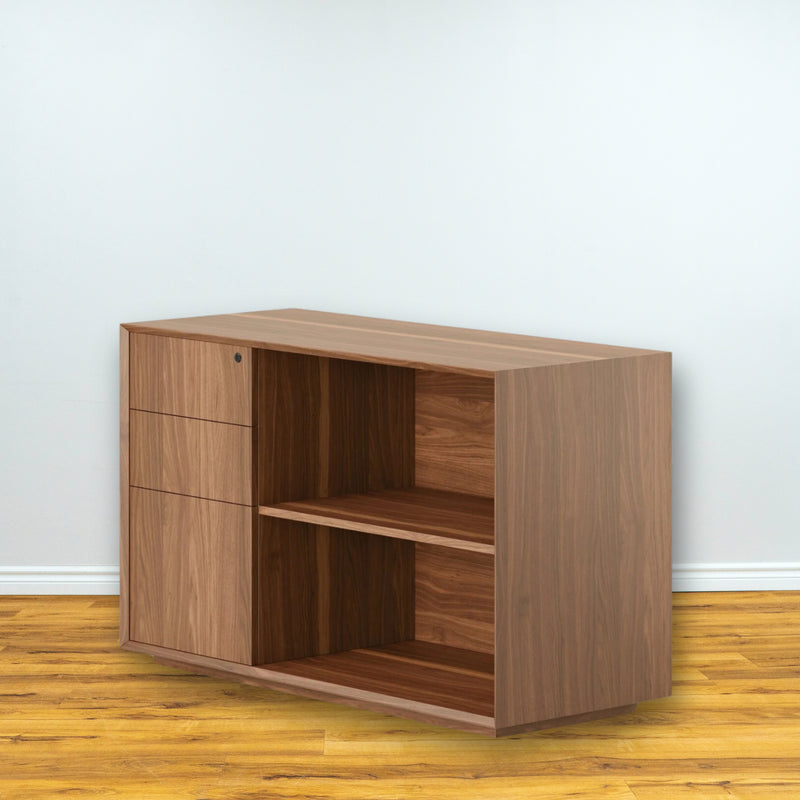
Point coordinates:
[[454, 598], [454, 432], [191, 378], [83, 718], [124, 482], [191, 573], [196, 457], [319, 590], [385, 342], [422, 515], [400, 672], [583, 538], [327, 427], [291, 425], [376, 426], [513, 341], [434, 654]]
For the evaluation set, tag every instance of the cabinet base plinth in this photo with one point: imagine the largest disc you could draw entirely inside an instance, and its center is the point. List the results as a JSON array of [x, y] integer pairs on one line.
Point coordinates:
[[559, 721]]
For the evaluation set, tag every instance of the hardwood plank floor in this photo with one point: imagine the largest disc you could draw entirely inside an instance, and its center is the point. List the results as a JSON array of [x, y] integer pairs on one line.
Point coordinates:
[[81, 718]]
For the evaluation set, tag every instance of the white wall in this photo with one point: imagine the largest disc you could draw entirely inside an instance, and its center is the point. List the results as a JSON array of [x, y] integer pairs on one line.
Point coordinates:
[[620, 172]]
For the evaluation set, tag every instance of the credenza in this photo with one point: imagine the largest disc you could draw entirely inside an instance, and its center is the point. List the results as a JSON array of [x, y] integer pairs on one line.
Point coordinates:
[[457, 526]]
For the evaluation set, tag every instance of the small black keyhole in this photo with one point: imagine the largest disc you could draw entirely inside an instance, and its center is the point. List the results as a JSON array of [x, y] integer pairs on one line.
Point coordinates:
[[237, 358]]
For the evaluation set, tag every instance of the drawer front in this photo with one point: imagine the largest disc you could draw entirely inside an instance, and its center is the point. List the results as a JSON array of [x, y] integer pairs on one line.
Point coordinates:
[[191, 378], [190, 574], [191, 456]]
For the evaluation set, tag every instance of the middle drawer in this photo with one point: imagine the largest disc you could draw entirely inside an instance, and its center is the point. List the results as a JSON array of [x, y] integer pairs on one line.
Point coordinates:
[[191, 456]]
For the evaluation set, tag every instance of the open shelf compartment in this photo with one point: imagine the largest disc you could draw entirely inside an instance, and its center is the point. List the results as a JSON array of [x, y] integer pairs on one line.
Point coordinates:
[[375, 448], [421, 672], [374, 549], [319, 592]]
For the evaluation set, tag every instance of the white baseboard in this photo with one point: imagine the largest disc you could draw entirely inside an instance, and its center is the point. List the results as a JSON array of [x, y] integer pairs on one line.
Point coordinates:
[[737, 577], [718, 577], [59, 580]]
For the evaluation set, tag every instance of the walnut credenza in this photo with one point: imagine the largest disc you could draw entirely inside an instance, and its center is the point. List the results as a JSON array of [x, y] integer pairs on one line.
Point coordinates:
[[462, 527]]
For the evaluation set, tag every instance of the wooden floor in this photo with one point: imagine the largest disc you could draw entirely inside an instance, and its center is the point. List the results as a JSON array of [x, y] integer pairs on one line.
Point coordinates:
[[81, 718]]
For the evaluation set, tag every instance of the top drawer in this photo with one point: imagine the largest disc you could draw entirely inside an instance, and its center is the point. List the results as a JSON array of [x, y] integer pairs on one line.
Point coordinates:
[[190, 378]]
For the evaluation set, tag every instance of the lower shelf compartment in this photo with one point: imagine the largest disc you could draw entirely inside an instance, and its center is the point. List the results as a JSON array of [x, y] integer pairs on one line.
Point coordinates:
[[418, 680], [428, 682], [422, 672]]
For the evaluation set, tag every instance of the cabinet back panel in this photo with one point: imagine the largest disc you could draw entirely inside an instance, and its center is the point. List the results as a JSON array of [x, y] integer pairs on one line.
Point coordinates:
[[322, 590], [190, 378], [454, 432], [454, 597], [326, 427]]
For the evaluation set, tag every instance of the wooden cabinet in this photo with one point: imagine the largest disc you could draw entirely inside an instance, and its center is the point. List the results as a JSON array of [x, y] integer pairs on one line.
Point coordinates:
[[463, 527]]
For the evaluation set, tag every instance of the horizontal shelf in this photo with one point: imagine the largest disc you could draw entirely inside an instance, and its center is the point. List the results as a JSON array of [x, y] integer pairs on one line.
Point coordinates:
[[422, 672], [462, 521]]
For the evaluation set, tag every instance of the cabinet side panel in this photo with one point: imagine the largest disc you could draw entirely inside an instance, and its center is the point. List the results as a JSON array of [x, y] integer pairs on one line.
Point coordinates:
[[583, 537], [322, 590], [191, 574], [645, 426], [454, 597], [191, 378], [124, 482], [454, 430]]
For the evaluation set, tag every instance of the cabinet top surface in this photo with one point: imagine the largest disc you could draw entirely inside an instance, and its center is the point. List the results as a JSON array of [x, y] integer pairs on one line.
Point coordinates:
[[384, 341]]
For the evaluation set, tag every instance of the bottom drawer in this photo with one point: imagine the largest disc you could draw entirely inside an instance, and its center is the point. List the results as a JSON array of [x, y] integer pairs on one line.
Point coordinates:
[[190, 574]]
